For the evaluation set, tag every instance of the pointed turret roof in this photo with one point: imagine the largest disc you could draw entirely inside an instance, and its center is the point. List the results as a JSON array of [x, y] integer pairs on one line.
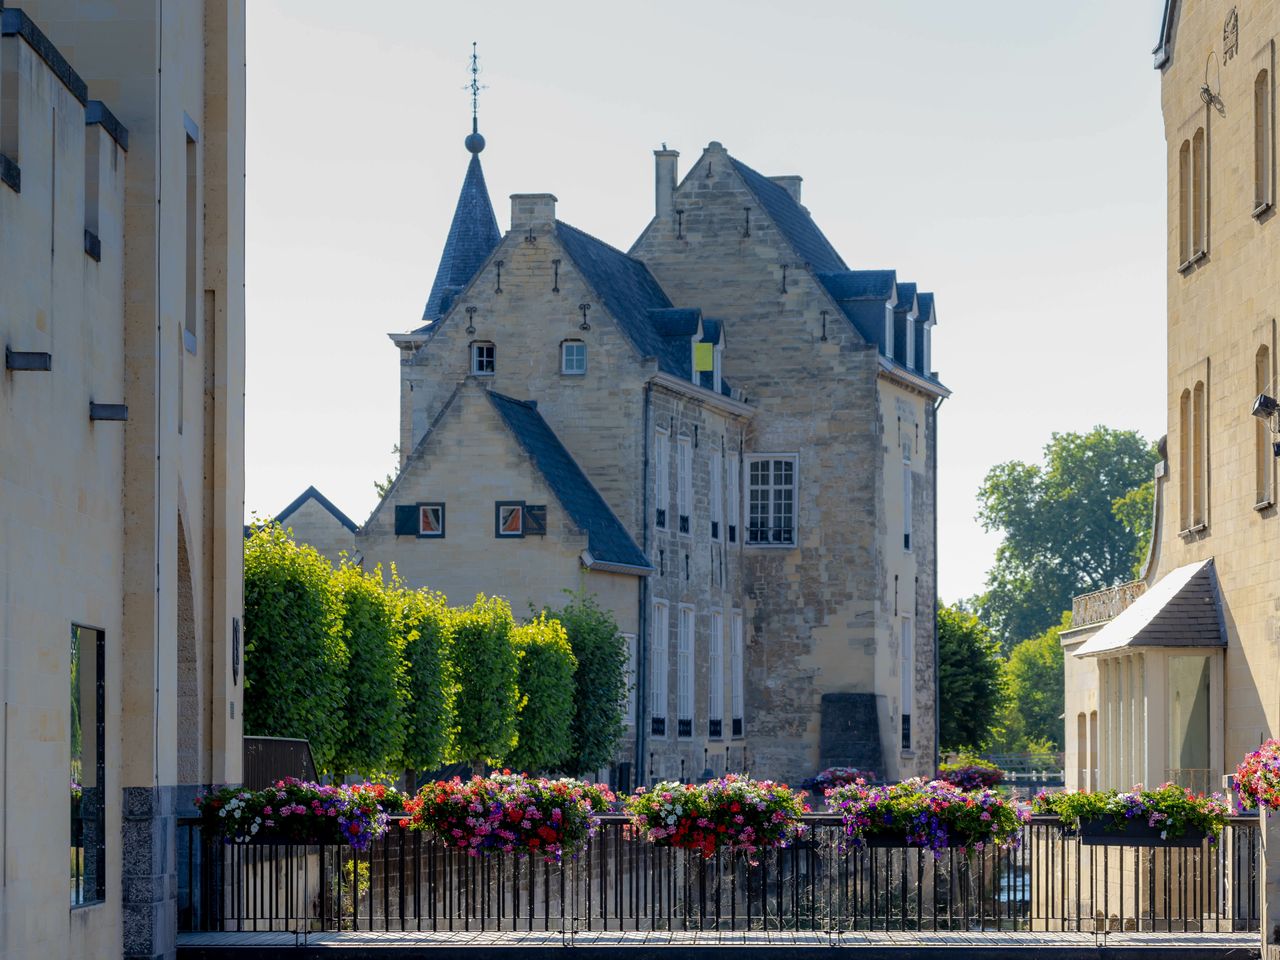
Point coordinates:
[[473, 235]]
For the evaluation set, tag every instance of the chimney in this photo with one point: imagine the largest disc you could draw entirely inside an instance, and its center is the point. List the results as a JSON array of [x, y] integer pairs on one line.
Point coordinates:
[[791, 184], [664, 170], [530, 210]]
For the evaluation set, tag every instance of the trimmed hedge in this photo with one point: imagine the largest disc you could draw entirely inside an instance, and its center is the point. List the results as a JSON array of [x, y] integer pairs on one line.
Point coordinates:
[[426, 623], [547, 692], [600, 685], [488, 699]]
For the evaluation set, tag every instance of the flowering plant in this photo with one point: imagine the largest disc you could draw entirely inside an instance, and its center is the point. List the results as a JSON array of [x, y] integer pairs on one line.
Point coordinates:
[[971, 773], [839, 777], [297, 811], [1174, 810], [1258, 777], [509, 812], [77, 791], [935, 815], [732, 813]]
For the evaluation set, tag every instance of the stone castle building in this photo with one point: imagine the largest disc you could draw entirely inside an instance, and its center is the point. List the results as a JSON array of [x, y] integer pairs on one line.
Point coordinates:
[[121, 458], [1174, 676], [725, 434]]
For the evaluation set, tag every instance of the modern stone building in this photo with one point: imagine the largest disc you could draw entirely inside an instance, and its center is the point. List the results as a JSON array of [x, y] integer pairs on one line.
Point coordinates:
[[726, 435], [1174, 676], [121, 458]]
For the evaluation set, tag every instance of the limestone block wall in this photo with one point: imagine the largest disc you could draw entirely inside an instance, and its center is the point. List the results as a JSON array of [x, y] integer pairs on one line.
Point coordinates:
[[61, 476], [313, 524]]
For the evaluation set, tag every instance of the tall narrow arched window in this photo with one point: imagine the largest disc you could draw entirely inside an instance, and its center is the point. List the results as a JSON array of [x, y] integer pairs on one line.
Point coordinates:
[[1262, 142], [1264, 460], [1184, 203], [1185, 459], [1200, 464], [1199, 195]]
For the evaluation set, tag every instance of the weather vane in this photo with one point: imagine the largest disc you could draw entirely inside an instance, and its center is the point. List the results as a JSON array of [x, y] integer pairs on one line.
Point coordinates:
[[475, 86]]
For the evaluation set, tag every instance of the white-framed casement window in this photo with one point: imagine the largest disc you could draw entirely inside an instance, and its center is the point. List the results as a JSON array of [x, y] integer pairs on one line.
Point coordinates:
[[908, 489], [629, 678], [483, 358], [684, 672], [734, 508], [737, 670], [907, 667], [715, 672], [717, 495], [661, 477], [771, 499], [659, 641], [684, 484], [573, 357]]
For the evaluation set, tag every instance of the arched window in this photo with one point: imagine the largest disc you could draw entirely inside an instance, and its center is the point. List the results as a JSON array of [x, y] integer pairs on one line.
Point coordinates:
[[1262, 142], [1264, 460], [1185, 459], [1200, 464], [1199, 195], [1184, 203]]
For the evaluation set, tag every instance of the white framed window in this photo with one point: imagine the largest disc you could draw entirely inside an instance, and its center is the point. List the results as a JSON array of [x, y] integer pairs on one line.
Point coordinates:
[[908, 489], [573, 357], [660, 638], [715, 671], [431, 519], [907, 666], [629, 678], [735, 497], [717, 495], [483, 358], [508, 519], [684, 484], [737, 671], [661, 476], [684, 673], [771, 493]]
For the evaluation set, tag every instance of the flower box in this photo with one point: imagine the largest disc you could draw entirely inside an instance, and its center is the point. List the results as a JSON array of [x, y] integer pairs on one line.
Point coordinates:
[[898, 841], [1135, 833]]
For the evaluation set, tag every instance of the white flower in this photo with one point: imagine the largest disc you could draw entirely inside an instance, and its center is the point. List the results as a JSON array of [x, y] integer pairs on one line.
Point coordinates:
[[222, 812]]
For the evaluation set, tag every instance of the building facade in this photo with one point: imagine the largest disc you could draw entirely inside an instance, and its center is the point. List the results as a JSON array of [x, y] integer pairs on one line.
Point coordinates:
[[121, 458], [1174, 677], [725, 434]]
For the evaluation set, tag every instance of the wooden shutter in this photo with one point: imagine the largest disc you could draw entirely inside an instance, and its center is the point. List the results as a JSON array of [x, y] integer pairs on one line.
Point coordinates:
[[407, 520], [535, 520]]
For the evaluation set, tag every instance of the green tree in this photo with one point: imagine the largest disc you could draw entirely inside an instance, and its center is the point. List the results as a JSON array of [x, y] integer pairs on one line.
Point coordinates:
[[488, 701], [970, 685], [600, 683], [426, 624], [295, 661], [1032, 720], [1134, 511], [1061, 534], [372, 741], [383, 485], [547, 667]]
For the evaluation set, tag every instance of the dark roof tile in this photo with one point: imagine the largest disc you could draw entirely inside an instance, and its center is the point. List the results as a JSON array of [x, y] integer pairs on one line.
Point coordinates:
[[473, 235], [796, 225]]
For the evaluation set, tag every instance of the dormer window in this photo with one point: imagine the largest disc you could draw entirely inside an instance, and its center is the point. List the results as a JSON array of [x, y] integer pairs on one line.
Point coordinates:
[[573, 357], [483, 356]]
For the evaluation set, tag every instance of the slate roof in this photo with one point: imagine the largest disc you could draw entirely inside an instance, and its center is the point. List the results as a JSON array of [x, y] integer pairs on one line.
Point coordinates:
[[473, 235], [1181, 610], [906, 297], [1168, 21], [607, 539], [859, 284], [311, 493], [798, 227]]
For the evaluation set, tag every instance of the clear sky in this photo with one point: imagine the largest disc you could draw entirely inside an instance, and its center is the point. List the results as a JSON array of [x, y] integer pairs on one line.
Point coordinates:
[[1007, 155]]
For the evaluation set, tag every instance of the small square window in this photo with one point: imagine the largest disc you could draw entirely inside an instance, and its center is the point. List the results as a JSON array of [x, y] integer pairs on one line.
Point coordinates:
[[510, 520], [431, 520], [483, 356], [573, 357]]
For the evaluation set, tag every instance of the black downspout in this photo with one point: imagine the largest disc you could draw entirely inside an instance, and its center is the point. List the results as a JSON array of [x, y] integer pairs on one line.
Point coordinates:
[[642, 641]]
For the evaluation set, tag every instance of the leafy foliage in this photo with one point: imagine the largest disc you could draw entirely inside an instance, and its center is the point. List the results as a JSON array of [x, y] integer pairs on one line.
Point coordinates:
[[426, 625], [295, 661], [373, 738], [970, 684], [1135, 511], [383, 485], [1062, 536], [1033, 678], [971, 773], [600, 687], [547, 692], [488, 700], [1174, 810]]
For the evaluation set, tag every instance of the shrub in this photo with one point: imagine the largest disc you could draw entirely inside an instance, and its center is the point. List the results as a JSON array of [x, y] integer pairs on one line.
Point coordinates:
[[600, 686], [1174, 810], [934, 815], [295, 661], [373, 739], [488, 700], [546, 686], [1258, 777], [426, 625], [839, 777], [971, 773], [733, 813]]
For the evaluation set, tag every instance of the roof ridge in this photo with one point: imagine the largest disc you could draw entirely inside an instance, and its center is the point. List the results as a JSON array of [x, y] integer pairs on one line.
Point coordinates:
[[791, 219]]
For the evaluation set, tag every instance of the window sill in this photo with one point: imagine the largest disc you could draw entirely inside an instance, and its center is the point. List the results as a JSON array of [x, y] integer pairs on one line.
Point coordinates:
[[1195, 258], [1190, 531], [1266, 504], [907, 754], [571, 374], [1260, 208], [771, 546], [477, 373], [77, 907]]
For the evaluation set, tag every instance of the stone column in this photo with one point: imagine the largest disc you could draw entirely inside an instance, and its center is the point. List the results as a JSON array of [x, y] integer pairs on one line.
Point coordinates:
[[150, 882]]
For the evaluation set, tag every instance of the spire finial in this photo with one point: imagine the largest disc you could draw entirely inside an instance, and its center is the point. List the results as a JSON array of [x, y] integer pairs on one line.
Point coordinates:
[[475, 142]]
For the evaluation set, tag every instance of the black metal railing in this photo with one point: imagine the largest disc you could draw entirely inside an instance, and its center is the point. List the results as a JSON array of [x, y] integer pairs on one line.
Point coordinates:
[[407, 881]]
